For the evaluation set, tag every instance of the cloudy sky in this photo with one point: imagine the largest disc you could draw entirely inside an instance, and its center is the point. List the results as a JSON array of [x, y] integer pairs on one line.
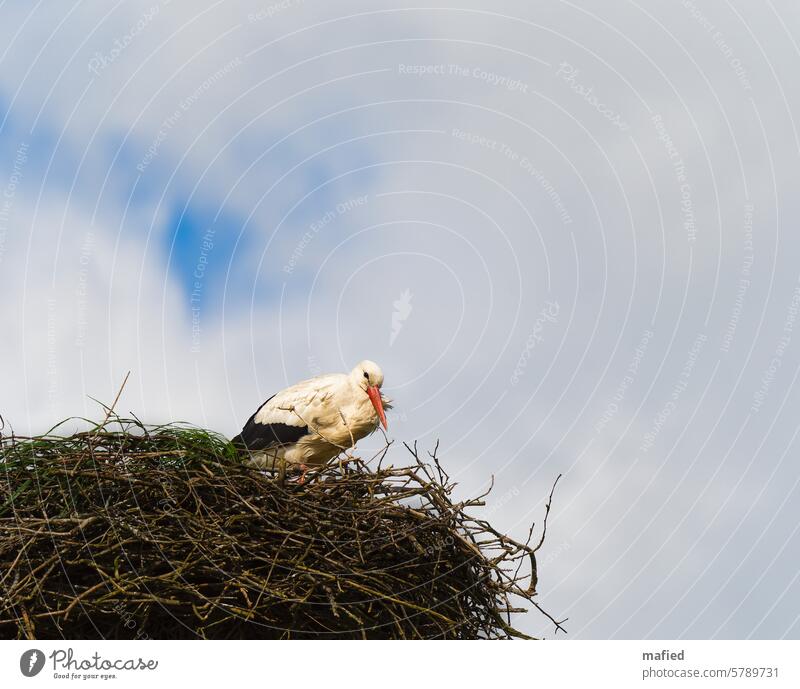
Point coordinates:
[[566, 231]]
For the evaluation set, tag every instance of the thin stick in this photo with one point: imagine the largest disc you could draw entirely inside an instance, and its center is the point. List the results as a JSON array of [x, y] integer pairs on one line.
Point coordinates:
[[110, 410], [546, 512]]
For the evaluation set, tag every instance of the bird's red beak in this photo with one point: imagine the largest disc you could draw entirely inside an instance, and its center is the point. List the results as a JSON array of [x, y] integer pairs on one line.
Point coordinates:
[[375, 398]]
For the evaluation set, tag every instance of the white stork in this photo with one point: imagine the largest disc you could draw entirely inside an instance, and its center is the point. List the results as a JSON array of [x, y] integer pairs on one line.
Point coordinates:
[[308, 424]]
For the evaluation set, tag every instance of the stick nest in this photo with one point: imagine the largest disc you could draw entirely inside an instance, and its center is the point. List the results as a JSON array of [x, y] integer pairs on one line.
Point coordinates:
[[134, 531]]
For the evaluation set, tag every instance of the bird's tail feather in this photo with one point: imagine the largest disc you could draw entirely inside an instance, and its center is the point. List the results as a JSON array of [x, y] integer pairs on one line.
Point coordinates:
[[238, 442]]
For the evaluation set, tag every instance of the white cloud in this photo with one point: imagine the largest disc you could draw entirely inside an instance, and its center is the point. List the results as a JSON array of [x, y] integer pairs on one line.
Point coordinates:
[[485, 202]]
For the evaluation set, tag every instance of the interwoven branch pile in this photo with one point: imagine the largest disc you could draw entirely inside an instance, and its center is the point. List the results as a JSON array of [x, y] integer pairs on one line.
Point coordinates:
[[133, 531]]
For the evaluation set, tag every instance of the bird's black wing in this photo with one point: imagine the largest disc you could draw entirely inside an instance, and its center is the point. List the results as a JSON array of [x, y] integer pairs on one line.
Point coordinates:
[[262, 436]]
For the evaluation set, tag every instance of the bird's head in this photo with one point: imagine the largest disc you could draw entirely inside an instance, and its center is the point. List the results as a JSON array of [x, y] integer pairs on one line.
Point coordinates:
[[368, 376]]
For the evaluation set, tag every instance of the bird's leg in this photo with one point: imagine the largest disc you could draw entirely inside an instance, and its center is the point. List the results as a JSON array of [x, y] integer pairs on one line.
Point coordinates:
[[305, 469]]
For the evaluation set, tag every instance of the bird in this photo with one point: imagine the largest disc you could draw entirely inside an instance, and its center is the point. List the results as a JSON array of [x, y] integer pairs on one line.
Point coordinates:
[[310, 423]]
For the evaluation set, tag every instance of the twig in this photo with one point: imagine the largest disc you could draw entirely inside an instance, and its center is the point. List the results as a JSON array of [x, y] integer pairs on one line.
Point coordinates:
[[546, 512]]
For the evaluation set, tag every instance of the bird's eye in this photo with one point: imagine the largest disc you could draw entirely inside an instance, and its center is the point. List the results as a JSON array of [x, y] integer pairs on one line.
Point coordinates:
[[366, 375]]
